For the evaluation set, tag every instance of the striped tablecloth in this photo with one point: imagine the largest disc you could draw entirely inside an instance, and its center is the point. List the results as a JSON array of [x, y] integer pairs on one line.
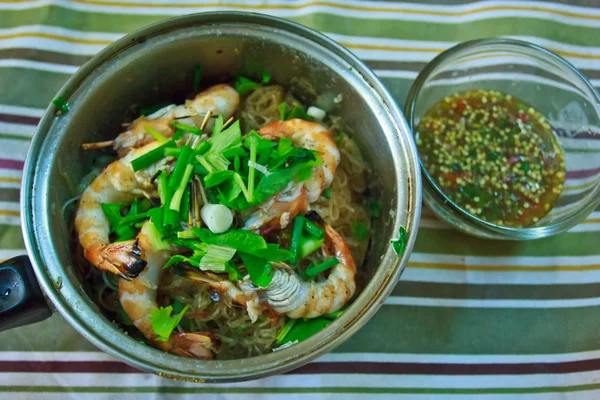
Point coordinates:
[[469, 317]]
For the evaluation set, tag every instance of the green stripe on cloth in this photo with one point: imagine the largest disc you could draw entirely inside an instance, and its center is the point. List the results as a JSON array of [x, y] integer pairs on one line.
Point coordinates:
[[44, 84], [14, 137], [8, 195], [384, 28], [439, 242], [466, 291], [11, 236], [477, 331]]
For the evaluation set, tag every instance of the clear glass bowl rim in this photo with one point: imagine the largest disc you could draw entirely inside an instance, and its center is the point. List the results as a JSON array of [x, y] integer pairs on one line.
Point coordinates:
[[567, 222]]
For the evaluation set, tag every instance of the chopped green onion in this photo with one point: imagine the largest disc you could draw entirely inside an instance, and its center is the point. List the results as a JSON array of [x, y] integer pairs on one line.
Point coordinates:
[[156, 216], [204, 162], [238, 179], [197, 77], [161, 182], [151, 157], [327, 193], [309, 246], [186, 203], [180, 166], [200, 170], [253, 147], [155, 238], [156, 134], [313, 229], [178, 195], [296, 237], [172, 151], [324, 266], [186, 128], [202, 148], [302, 272], [178, 134], [286, 329], [169, 217], [133, 217], [124, 232]]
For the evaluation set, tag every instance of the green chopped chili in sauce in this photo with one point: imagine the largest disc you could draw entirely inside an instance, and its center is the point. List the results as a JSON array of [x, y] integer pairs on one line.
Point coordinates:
[[492, 155]]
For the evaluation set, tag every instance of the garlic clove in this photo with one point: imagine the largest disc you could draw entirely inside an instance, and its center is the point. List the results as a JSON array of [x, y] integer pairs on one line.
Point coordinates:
[[217, 217]]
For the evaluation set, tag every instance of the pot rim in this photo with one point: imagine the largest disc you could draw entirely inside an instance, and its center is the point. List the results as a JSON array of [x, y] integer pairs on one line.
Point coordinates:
[[243, 369]]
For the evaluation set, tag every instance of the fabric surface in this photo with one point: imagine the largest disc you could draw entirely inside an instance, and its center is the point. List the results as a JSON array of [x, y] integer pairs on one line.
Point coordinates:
[[476, 318]]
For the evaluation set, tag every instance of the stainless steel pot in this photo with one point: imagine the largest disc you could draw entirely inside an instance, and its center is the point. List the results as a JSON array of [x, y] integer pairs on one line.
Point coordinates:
[[155, 64]]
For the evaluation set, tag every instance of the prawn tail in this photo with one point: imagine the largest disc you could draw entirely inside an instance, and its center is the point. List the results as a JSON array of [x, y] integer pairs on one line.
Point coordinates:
[[198, 345], [121, 258]]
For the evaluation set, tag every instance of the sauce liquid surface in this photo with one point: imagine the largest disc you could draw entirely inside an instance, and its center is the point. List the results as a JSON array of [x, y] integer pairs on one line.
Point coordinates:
[[492, 155]]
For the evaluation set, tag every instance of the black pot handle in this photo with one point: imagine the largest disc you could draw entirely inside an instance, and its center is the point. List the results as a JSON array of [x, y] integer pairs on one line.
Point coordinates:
[[21, 299]]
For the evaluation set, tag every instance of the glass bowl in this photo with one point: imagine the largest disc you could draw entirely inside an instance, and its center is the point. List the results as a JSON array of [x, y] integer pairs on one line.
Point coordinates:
[[546, 82]]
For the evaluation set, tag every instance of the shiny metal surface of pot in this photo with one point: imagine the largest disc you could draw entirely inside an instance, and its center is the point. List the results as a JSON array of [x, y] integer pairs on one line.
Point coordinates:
[[157, 63]]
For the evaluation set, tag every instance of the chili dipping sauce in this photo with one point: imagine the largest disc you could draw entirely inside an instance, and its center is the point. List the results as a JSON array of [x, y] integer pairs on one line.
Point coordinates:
[[492, 155]]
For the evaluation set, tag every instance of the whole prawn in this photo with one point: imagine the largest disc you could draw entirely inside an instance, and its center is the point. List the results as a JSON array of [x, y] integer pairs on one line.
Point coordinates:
[[280, 209], [219, 99], [118, 183], [289, 294], [138, 299]]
